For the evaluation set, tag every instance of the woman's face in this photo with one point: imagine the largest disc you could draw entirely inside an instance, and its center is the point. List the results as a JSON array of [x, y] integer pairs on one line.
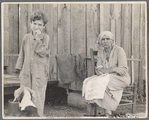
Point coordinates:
[[106, 41]]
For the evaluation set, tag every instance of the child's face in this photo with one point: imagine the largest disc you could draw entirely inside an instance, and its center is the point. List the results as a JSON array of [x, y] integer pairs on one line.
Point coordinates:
[[37, 25]]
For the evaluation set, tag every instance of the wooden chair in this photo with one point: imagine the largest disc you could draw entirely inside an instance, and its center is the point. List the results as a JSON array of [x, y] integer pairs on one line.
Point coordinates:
[[132, 86]]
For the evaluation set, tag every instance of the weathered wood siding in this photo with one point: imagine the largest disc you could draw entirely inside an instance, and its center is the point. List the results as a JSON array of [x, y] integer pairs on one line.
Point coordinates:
[[74, 28]]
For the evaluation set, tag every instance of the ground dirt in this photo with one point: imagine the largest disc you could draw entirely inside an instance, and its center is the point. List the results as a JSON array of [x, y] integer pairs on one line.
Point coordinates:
[[58, 107], [66, 111]]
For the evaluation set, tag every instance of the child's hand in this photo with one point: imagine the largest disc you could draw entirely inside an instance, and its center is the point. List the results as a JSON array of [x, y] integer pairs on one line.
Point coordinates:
[[33, 96], [37, 33]]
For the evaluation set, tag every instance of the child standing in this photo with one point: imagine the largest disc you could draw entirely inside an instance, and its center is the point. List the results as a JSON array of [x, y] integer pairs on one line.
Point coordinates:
[[33, 60]]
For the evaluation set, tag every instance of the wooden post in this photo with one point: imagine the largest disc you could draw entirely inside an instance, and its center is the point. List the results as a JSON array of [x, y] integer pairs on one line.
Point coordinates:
[[135, 36], [104, 17], [92, 31], [23, 22], [118, 19], [113, 26], [92, 61], [132, 70], [13, 13], [134, 97], [78, 36], [63, 28], [6, 33]]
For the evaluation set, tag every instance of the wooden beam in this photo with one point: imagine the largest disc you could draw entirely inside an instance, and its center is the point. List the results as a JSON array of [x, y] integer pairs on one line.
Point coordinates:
[[135, 37], [23, 22], [6, 33], [63, 28], [105, 17], [78, 37], [118, 19], [93, 30]]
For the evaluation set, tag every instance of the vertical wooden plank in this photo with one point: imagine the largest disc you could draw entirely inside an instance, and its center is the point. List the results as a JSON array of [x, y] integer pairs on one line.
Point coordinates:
[[49, 30], [104, 17], [35, 7], [144, 45], [93, 26], [141, 44], [13, 35], [126, 31], [63, 28], [13, 31], [146, 72], [6, 33], [54, 47], [112, 19], [78, 28], [113, 26], [51, 11], [129, 35], [129, 32], [123, 24], [48, 9], [78, 35], [55, 30], [135, 35], [23, 22], [117, 16], [41, 7], [29, 14], [124, 34], [93, 30]]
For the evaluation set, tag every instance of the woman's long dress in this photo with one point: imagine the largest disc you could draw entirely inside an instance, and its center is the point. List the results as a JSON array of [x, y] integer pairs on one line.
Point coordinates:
[[116, 83]]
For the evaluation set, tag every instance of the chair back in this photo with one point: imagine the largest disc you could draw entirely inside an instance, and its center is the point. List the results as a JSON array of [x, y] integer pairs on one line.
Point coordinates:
[[93, 55]]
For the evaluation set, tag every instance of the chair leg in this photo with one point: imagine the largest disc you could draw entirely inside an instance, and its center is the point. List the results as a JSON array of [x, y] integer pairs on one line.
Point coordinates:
[[134, 98]]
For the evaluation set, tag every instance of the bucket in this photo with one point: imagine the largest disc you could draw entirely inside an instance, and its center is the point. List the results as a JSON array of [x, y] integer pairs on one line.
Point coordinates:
[[14, 109], [76, 100]]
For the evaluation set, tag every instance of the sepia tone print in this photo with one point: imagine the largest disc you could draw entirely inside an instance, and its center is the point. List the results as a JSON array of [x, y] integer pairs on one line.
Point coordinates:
[[73, 29]]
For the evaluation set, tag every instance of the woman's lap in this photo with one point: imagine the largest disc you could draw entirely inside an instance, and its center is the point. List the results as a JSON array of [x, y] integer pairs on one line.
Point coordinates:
[[116, 85]]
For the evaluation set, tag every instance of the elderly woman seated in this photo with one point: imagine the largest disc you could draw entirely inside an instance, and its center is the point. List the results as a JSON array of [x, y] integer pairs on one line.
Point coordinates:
[[106, 87]]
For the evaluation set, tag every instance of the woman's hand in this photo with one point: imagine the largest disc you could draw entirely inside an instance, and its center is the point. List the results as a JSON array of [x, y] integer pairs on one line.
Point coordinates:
[[97, 70], [100, 70], [119, 71], [99, 73], [107, 70], [17, 71]]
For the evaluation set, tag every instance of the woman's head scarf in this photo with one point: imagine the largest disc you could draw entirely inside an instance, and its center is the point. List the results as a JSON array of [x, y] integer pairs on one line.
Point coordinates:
[[107, 33]]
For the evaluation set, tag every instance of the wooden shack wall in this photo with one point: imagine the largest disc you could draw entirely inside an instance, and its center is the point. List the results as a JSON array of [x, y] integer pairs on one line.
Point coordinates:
[[74, 28]]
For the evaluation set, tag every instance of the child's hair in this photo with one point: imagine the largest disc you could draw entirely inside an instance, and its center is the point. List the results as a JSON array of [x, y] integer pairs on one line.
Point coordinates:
[[38, 15]]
